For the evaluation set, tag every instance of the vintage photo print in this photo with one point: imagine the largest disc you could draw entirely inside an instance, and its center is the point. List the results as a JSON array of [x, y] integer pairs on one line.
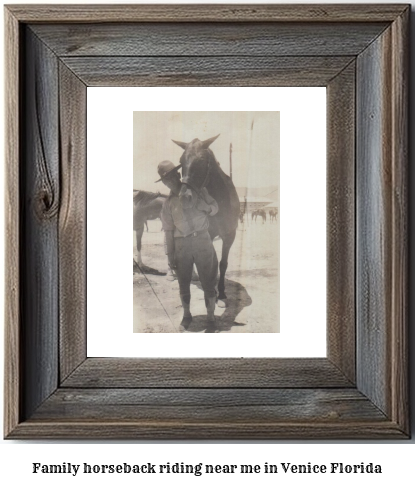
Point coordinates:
[[206, 214]]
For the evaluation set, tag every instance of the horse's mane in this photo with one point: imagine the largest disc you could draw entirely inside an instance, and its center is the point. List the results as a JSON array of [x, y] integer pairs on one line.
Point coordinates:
[[145, 197]]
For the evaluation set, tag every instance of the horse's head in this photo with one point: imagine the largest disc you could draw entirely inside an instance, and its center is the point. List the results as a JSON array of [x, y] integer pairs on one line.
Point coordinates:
[[196, 163]]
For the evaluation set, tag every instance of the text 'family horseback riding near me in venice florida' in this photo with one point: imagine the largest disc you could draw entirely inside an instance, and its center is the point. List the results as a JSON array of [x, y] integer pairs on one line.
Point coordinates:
[[201, 468]]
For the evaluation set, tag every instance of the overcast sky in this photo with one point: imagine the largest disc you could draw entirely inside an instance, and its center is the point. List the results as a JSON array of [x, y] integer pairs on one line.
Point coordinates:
[[255, 138]]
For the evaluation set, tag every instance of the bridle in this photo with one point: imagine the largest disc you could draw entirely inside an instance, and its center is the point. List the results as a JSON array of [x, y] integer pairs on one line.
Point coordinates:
[[205, 182]]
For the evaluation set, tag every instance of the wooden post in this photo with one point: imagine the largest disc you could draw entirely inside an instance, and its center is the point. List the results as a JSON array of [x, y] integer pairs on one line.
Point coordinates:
[[230, 160]]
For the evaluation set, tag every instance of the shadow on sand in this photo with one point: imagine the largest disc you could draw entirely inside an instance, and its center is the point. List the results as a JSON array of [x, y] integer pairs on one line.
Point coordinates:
[[146, 269], [238, 299]]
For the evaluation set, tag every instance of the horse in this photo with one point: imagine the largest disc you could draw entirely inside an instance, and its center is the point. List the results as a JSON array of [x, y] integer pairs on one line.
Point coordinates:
[[146, 206], [201, 169], [273, 214], [259, 213]]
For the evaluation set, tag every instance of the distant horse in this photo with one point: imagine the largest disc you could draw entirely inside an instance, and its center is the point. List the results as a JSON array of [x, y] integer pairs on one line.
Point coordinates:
[[201, 169], [146, 206], [259, 213], [273, 214]]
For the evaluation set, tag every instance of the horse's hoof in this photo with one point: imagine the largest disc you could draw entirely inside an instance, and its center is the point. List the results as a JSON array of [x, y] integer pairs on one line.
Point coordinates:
[[171, 276], [186, 321]]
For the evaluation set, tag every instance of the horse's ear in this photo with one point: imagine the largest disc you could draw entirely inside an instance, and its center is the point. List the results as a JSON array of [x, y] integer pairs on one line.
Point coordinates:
[[208, 142], [183, 145]]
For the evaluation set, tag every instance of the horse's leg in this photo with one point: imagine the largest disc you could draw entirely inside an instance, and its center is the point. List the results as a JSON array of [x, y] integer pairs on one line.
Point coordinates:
[[138, 260], [223, 265], [138, 237]]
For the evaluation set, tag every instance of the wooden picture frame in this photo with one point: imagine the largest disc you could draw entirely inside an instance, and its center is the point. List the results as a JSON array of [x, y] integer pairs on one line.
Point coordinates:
[[360, 53]]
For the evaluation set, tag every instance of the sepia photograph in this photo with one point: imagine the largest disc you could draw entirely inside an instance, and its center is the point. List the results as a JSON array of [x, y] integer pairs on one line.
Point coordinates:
[[206, 222]]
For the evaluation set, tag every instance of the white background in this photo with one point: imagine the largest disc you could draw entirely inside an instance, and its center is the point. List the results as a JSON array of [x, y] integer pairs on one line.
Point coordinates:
[[302, 222], [396, 458]]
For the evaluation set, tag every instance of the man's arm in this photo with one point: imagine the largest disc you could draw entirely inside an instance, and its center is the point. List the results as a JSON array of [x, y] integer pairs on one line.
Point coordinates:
[[168, 227], [169, 247]]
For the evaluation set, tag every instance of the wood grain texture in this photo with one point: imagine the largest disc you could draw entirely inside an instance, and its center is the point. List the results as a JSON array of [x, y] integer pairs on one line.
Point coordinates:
[[206, 71], [382, 224], [13, 382], [206, 373], [40, 203], [206, 13], [363, 430], [400, 262], [248, 429], [341, 238], [72, 222], [373, 225], [210, 405], [198, 39]]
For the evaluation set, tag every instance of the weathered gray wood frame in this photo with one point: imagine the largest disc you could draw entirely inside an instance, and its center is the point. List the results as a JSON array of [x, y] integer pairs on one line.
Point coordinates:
[[359, 52]]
